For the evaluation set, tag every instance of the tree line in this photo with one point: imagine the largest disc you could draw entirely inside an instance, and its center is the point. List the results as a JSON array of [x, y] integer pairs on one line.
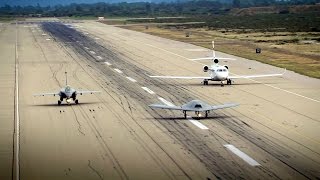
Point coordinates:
[[139, 9]]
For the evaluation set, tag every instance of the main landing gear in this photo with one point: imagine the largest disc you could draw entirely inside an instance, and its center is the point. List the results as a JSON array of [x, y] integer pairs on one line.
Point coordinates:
[[205, 82], [228, 81]]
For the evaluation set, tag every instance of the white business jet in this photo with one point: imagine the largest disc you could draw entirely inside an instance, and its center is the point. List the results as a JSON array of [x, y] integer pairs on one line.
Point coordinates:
[[216, 72]]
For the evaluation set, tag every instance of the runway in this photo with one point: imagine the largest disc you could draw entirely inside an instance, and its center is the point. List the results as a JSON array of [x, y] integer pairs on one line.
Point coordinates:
[[273, 134]]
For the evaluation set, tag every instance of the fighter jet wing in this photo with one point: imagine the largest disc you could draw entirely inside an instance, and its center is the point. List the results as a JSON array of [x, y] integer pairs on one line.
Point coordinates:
[[161, 106], [87, 92], [182, 77], [46, 94], [255, 76]]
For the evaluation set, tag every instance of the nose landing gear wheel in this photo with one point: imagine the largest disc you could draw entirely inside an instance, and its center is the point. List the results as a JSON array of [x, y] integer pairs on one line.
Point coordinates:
[[205, 82], [59, 102], [76, 101]]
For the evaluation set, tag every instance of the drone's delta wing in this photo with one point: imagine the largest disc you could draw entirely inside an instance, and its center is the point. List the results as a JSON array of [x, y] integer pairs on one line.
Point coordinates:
[[223, 106], [161, 106]]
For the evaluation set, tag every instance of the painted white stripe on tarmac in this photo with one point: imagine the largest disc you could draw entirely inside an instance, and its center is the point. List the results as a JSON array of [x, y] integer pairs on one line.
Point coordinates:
[[148, 90], [107, 63], [48, 39], [44, 34], [165, 101], [131, 79], [118, 70], [96, 38], [86, 47], [99, 57], [242, 155], [197, 123], [92, 52]]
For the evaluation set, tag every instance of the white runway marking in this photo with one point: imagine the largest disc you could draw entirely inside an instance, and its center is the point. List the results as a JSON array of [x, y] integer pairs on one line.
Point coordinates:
[[242, 155], [92, 52], [17, 116], [99, 57], [197, 123], [86, 33], [107, 63], [44, 34], [165, 101], [86, 48], [118, 70], [148, 90], [274, 87], [48, 39], [96, 38], [131, 79]]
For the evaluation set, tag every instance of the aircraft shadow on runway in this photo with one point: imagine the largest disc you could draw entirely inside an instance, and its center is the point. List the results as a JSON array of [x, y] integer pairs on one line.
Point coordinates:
[[213, 117]]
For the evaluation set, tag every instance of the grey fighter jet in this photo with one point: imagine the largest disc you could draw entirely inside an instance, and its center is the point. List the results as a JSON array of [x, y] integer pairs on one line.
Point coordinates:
[[68, 93], [195, 105]]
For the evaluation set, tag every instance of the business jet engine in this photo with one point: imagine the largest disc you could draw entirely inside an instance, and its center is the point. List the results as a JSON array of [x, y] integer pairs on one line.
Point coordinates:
[[205, 68]]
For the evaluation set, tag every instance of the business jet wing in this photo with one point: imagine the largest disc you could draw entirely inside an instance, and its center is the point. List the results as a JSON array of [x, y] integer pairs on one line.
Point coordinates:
[[255, 76], [182, 77], [47, 94], [87, 92], [161, 106]]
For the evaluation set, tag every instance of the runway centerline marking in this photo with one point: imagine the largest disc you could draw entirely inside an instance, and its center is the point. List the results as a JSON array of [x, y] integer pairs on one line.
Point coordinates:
[[274, 87], [148, 90], [92, 52], [242, 155], [86, 48], [131, 79], [118, 70], [99, 57], [197, 123], [107, 63], [165, 101]]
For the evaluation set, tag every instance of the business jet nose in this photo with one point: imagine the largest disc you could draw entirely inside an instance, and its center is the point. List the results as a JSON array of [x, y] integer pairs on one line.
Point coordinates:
[[222, 76]]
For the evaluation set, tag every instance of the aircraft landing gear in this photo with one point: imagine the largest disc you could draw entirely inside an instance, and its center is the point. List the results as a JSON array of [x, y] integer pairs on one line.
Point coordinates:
[[59, 102], [76, 101], [185, 114], [207, 112], [205, 82], [222, 84], [228, 81]]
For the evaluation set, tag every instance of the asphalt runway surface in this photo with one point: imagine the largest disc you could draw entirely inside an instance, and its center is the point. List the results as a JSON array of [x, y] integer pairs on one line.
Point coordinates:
[[273, 134]]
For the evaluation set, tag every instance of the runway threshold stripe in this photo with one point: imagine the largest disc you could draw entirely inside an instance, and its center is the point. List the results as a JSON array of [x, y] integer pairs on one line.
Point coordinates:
[[107, 63], [131, 79], [165, 101], [242, 155], [92, 52], [118, 70], [148, 90], [197, 123], [99, 57]]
